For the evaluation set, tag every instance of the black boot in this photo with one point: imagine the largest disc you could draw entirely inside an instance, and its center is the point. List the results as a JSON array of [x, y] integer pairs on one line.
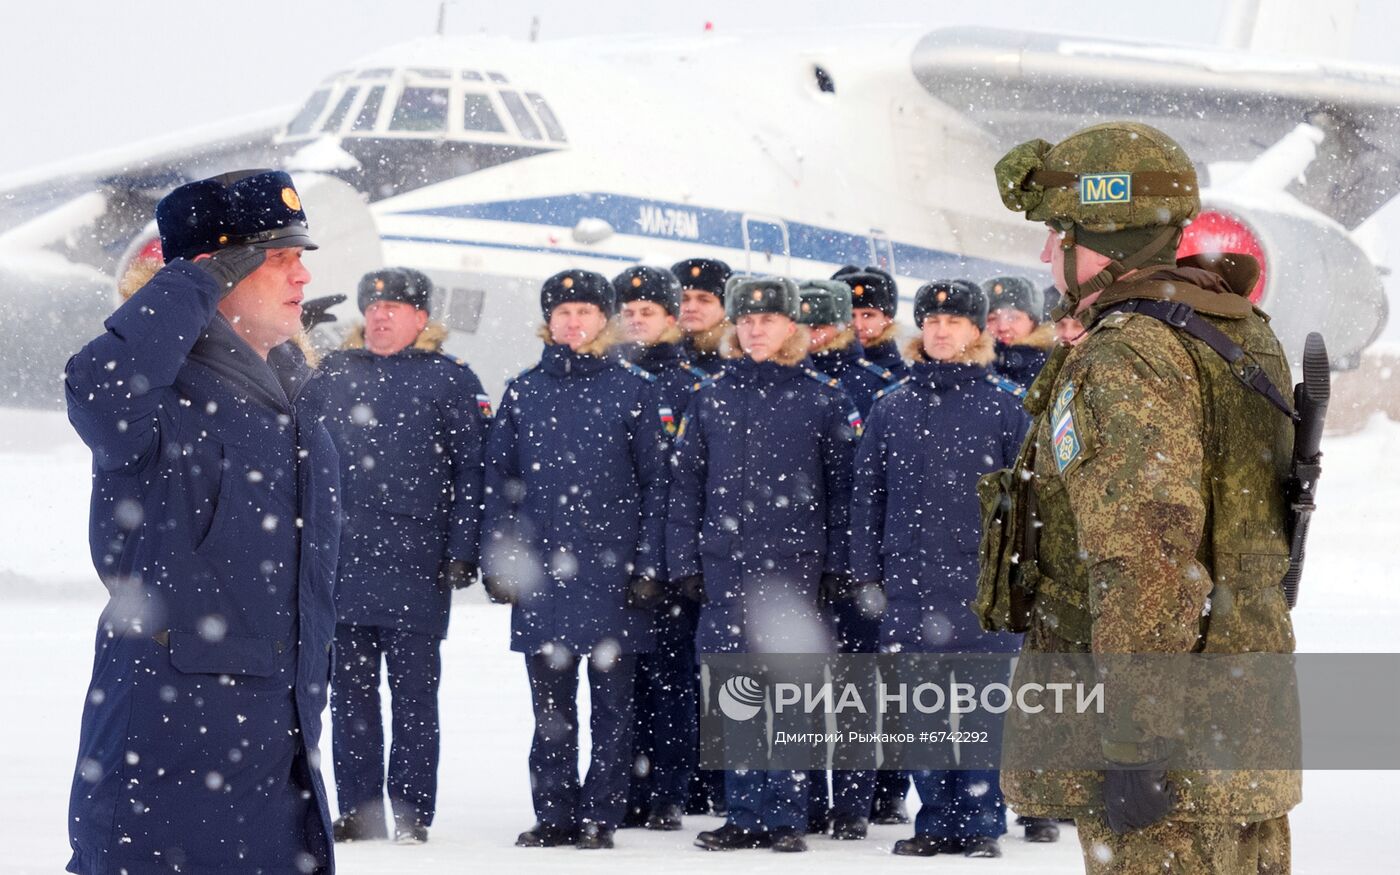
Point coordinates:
[[665, 817], [818, 822], [410, 834], [732, 838], [888, 811], [360, 826], [541, 836], [1041, 830], [595, 837], [981, 846], [788, 840], [849, 828], [925, 846]]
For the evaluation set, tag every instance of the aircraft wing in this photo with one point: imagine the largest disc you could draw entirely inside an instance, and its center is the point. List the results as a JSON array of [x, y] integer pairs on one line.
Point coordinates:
[[111, 195], [1221, 105]]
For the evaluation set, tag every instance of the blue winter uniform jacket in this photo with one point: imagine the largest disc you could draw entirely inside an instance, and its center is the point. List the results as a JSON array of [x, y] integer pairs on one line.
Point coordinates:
[[760, 492], [677, 379], [1020, 363], [886, 355], [575, 501], [411, 431], [200, 730], [915, 520], [858, 375]]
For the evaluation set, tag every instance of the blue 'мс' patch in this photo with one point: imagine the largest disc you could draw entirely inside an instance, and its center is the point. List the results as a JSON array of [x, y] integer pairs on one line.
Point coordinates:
[[1106, 188]]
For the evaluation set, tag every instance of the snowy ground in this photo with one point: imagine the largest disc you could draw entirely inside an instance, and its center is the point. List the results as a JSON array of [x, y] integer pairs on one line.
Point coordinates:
[[1350, 603]]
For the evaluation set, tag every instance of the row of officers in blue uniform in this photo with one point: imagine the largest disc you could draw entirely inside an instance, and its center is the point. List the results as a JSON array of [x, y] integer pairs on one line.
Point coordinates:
[[699, 463], [653, 488]]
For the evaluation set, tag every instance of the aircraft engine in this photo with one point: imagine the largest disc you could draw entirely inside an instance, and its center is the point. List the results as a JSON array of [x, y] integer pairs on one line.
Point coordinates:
[[1314, 277]]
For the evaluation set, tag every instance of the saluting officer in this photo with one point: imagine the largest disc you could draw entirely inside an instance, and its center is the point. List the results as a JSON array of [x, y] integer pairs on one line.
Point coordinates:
[[410, 424], [200, 732], [702, 311], [758, 520], [575, 508]]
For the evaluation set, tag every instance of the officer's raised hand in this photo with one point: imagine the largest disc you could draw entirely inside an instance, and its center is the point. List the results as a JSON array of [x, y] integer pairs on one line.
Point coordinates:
[[456, 574], [231, 265]]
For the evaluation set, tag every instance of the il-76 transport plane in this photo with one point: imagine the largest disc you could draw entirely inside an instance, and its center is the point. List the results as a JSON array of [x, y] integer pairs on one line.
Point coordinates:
[[492, 163]]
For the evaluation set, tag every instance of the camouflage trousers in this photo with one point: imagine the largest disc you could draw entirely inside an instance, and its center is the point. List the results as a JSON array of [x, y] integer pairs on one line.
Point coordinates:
[[1189, 848]]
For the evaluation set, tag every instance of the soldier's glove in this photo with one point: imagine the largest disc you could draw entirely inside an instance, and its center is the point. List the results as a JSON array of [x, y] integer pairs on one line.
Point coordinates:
[[645, 593], [834, 587], [317, 311], [230, 265], [497, 590], [1137, 797], [691, 587], [456, 574]]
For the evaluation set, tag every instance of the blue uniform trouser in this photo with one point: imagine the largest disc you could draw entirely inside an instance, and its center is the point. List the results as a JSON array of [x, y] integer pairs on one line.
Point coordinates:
[[959, 804], [560, 801], [965, 803], [357, 724], [669, 705], [765, 801], [851, 791]]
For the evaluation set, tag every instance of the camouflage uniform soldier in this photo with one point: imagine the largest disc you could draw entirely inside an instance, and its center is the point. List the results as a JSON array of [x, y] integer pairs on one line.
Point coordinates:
[[1159, 479]]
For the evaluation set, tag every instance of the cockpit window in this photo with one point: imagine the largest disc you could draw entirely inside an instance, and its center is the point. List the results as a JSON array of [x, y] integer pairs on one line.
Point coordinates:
[[369, 112], [342, 109], [496, 77], [374, 73], [523, 120], [471, 75], [420, 109], [311, 111], [547, 118], [479, 115], [432, 72]]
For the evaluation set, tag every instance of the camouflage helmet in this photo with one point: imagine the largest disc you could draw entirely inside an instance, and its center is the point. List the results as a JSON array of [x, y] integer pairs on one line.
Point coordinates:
[[1106, 178]]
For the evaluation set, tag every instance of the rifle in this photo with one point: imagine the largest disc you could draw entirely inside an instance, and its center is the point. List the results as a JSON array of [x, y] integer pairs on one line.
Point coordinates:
[[1310, 399]]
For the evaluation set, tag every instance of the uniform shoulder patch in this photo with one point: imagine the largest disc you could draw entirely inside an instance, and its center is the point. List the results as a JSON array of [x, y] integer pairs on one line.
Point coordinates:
[[636, 371], [1064, 434], [707, 381], [821, 378], [1010, 387], [891, 388], [883, 373], [483, 406]]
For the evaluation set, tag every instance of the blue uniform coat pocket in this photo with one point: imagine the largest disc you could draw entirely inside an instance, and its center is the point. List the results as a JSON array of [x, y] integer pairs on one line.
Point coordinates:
[[193, 653]]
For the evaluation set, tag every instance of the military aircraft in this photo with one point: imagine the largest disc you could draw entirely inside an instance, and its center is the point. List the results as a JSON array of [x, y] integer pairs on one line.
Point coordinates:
[[491, 163]]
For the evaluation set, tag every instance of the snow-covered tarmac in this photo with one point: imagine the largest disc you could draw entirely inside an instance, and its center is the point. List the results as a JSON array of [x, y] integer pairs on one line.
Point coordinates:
[[1350, 603]]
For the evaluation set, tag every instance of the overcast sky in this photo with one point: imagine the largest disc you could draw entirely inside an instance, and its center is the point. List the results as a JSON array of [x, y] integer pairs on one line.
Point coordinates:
[[84, 76]]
